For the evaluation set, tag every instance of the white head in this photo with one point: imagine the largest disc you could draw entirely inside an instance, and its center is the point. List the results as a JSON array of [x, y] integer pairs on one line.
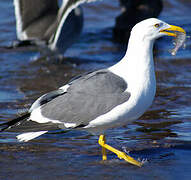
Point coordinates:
[[153, 28]]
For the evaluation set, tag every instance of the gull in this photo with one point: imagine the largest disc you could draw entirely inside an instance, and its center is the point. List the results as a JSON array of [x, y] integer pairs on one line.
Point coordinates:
[[103, 99]]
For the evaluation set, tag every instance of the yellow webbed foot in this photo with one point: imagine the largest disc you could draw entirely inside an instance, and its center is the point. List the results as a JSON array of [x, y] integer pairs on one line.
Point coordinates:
[[120, 154]]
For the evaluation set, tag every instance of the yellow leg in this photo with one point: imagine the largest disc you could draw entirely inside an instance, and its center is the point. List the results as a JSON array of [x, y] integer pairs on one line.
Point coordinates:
[[104, 154], [120, 154]]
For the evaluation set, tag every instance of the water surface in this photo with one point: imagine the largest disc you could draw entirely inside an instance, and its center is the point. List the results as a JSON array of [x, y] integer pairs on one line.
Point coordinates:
[[162, 135]]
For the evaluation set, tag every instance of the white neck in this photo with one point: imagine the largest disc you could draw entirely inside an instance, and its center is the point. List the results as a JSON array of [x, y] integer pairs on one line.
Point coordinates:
[[137, 66]]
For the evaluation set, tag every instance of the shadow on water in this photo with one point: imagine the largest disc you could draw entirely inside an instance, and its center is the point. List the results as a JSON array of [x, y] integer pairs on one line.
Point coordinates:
[[162, 135]]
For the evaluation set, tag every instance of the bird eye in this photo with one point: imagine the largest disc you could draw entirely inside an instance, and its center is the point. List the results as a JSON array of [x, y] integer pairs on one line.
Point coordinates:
[[157, 25]]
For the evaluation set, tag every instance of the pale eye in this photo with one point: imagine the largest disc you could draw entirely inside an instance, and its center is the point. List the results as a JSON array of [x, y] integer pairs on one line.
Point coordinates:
[[157, 25]]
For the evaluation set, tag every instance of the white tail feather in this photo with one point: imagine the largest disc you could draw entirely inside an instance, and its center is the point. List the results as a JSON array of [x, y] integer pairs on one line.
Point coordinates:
[[24, 137]]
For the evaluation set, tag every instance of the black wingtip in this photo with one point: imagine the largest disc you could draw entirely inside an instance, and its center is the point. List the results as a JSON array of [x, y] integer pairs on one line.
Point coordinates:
[[9, 124]]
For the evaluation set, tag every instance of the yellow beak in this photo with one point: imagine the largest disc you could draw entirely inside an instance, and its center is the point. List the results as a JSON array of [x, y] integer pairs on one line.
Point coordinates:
[[173, 28]]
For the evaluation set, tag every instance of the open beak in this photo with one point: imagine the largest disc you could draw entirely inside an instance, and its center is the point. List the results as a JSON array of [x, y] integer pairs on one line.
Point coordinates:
[[169, 31]]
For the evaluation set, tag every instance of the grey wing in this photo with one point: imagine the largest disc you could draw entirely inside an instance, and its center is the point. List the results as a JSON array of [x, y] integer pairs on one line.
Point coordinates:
[[46, 98], [34, 17], [87, 98]]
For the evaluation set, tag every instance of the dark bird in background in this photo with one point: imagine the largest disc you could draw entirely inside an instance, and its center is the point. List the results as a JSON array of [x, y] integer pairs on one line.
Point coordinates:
[[44, 22], [134, 11]]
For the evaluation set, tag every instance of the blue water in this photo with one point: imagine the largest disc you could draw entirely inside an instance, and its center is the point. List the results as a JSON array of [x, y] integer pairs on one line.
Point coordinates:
[[162, 135]]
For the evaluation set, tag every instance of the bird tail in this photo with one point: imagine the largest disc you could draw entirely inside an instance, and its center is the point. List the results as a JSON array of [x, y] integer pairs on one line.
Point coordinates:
[[24, 137], [29, 129], [14, 122]]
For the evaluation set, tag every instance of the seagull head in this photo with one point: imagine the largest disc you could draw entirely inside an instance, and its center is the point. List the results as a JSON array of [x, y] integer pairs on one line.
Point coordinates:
[[153, 28]]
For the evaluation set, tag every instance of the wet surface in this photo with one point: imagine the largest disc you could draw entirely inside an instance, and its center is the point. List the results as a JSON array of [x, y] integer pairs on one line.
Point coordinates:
[[162, 135]]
